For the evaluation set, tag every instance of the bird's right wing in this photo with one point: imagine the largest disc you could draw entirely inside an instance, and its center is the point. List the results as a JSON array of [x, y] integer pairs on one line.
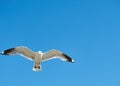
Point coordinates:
[[24, 51]]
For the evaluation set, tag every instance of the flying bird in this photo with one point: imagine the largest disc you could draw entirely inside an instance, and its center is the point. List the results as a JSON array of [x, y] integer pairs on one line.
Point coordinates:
[[37, 57]]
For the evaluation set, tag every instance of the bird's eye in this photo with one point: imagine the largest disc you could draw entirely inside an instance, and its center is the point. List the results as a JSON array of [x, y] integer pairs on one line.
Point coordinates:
[[35, 67]]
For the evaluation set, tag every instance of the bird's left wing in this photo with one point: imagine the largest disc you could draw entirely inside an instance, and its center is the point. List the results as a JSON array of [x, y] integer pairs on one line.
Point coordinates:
[[56, 54]]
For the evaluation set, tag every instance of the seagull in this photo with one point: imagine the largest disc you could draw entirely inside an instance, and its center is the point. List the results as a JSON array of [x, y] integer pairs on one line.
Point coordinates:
[[37, 57]]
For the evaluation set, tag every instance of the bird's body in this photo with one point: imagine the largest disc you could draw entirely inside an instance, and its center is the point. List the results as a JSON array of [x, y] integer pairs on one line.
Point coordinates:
[[37, 57]]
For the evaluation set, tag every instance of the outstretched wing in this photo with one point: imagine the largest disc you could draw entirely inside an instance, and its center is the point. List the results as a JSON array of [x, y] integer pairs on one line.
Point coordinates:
[[24, 51], [56, 54]]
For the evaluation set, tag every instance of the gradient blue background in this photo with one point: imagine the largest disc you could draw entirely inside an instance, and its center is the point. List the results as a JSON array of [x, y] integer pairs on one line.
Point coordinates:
[[87, 30]]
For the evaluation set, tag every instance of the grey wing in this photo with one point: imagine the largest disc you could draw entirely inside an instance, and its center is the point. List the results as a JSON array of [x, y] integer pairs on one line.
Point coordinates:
[[56, 54], [24, 51]]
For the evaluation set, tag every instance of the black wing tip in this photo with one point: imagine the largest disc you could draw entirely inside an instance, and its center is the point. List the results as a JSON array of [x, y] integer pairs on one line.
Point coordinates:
[[2, 53], [7, 52], [69, 59]]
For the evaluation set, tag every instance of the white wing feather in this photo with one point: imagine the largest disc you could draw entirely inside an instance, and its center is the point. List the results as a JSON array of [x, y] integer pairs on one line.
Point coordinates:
[[24, 51], [53, 54]]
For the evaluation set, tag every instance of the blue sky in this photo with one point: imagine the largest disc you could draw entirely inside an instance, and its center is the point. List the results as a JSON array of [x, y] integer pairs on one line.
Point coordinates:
[[86, 30]]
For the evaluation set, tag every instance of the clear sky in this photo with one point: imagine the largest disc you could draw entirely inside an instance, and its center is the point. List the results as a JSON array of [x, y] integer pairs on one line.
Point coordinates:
[[86, 30]]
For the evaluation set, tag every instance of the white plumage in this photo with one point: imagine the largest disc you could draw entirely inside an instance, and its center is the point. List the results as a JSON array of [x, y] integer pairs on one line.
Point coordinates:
[[37, 57]]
